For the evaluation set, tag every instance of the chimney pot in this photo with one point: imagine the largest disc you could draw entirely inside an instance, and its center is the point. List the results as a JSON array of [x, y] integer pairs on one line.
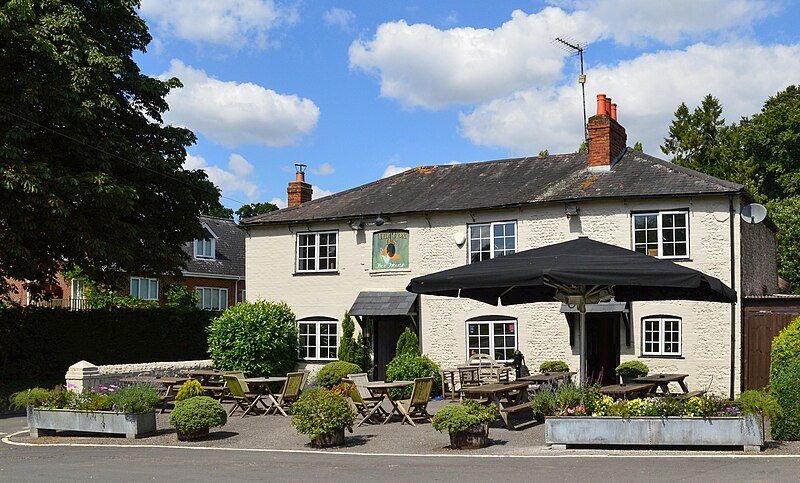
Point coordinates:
[[601, 104], [607, 138], [614, 111], [608, 106]]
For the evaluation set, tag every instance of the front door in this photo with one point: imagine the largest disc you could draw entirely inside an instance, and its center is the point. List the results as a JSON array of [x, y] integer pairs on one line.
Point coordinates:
[[386, 331], [602, 347]]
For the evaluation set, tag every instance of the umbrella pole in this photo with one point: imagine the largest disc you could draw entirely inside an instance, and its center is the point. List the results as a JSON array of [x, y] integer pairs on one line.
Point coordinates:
[[582, 374]]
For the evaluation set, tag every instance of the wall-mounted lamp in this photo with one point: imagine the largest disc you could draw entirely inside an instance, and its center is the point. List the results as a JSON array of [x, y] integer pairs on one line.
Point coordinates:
[[356, 225], [572, 211], [379, 221]]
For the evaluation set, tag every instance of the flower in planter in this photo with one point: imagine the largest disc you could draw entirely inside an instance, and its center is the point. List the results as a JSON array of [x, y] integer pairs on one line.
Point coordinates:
[[577, 411]]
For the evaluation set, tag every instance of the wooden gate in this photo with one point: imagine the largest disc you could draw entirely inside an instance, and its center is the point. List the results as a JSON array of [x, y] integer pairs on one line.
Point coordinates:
[[763, 319]]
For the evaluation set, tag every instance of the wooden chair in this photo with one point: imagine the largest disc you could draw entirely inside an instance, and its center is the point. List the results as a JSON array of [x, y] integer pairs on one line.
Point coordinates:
[[417, 406], [295, 381], [366, 394], [366, 408], [242, 397]]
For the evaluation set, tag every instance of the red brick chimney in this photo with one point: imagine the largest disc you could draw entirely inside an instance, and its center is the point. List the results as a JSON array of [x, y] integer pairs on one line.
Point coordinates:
[[299, 191], [607, 138]]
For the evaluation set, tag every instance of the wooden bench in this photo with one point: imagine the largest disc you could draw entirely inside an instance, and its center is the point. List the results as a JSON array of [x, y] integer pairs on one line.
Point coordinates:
[[517, 409], [691, 394]]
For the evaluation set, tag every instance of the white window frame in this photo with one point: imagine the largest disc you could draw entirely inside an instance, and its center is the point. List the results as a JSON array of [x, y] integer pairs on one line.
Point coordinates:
[[492, 348], [206, 248], [661, 321], [317, 325], [660, 231], [221, 294], [316, 257], [148, 281], [492, 248]]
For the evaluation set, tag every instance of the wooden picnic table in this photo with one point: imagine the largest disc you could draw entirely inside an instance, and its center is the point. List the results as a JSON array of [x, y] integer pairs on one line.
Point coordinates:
[[382, 388], [547, 377], [623, 391], [661, 381], [496, 392]]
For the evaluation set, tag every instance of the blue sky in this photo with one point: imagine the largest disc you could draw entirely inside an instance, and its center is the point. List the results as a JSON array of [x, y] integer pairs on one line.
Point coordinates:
[[358, 90]]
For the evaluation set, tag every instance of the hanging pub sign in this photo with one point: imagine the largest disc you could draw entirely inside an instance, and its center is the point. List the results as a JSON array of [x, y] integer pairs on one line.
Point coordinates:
[[390, 250]]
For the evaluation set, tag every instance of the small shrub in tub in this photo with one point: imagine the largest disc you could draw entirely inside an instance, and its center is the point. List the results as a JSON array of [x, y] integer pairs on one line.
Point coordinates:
[[194, 416], [467, 423]]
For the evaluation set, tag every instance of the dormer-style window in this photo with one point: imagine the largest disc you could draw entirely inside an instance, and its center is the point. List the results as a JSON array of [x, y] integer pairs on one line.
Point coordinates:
[[492, 240], [206, 247], [663, 234]]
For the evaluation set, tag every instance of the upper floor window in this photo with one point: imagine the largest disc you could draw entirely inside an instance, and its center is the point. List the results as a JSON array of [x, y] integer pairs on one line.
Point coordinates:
[[211, 298], [498, 338], [316, 252], [144, 288], [491, 240], [206, 247], [661, 336], [664, 234], [318, 339]]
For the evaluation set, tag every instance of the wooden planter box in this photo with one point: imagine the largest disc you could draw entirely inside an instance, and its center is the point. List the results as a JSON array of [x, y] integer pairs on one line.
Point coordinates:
[[747, 431], [334, 438], [473, 438], [44, 422]]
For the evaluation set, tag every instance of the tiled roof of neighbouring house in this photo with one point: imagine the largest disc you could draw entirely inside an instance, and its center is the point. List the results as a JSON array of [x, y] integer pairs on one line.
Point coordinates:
[[505, 183], [229, 256]]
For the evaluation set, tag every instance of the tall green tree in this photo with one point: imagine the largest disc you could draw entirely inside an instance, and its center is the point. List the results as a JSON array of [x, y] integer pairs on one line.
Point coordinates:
[[255, 209], [696, 138], [88, 173]]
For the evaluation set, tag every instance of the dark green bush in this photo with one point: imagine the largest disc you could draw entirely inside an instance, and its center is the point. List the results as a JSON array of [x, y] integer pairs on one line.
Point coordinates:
[[759, 402], [259, 338], [407, 343], [784, 374], [190, 388], [332, 373], [319, 412], [457, 419], [408, 367], [543, 403], [136, 398], [180, 296], [196, 414], [553, 366], [632, 369]]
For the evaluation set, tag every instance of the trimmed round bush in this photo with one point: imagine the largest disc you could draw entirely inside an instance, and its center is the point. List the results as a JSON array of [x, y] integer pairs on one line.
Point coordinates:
[[319, 412], [332, 373], [190, 388], [195, 414], [407, 367], [259, 338], [554, 366], [784, 372], [632, 369], [468, 414]]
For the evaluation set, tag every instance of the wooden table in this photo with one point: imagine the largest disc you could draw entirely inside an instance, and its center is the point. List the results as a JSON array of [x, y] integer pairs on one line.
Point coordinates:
[[547, 377], [497, 392], [204, 375], [382, 387], [624, 390], [264, 383], [661, 381]]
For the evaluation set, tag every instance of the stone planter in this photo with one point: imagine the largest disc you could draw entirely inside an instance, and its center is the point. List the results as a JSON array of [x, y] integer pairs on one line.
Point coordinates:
[[334, 438], [747, 431], [203, 433], [473, 438], [44, 422]]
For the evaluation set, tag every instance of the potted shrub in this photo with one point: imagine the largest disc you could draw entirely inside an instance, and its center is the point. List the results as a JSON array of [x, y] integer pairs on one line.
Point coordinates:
[[323, 416], [332, 373], [553, 366], [189, 389], [467, 424], [630, 370], [107, 409], [194, 416]]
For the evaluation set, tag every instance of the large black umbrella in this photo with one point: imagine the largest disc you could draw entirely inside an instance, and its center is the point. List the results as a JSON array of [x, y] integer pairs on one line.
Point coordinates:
[[576, 272]]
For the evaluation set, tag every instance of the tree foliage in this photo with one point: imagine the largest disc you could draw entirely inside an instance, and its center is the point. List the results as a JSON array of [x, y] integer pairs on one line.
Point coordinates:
[[352, 350], [255, 209], [407, 343], [88, 174]]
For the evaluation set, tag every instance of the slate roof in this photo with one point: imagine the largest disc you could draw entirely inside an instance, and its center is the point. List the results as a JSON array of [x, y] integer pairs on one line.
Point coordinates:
[[229, 256], [505, 183], [383, 303]]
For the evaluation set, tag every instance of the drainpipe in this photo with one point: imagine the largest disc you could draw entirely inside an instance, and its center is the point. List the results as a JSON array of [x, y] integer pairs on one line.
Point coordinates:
[[731, 214]]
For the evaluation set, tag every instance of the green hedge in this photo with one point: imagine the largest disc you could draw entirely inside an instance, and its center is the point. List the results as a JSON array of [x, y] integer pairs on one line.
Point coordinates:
[[784, 373], [41, 344]]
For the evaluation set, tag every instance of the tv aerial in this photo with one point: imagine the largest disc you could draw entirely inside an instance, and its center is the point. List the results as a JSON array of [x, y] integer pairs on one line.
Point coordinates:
[[753, 213], [576, 48]]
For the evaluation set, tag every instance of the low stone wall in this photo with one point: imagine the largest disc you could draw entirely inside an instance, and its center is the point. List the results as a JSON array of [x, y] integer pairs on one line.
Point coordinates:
[[84, 374]]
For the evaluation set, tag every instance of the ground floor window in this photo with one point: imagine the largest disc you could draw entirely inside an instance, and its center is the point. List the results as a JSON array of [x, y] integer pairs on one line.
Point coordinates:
[[318, 339], [211, 298], [144, 288], [661, 336], [498, 338]]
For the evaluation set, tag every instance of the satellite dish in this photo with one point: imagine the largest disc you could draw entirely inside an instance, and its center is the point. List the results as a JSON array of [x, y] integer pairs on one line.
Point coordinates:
[[754, 213]]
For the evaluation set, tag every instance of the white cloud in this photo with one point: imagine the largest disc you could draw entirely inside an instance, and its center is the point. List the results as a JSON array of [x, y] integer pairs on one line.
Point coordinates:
[[279, 202], [235, 114], [392, 170], [324, 169], [233, 180], [320, 192], [231, 23], [647, 89], [339, 17], [421, 65]]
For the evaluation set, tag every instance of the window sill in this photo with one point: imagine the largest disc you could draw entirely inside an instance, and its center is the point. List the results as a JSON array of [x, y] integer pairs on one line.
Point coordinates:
[[305, 274], [661, 356], [381, 273]]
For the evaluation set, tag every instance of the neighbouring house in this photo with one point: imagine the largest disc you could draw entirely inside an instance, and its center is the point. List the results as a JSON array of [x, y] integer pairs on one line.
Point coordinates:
[[357, 250], [215, 270]]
